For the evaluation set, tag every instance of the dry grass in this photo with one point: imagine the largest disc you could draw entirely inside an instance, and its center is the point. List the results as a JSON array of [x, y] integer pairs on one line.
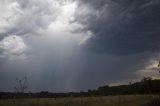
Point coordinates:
[[132, 100], [153, 102]]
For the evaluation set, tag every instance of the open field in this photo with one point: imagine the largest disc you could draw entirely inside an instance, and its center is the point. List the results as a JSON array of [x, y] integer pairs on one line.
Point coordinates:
[[132, 100]]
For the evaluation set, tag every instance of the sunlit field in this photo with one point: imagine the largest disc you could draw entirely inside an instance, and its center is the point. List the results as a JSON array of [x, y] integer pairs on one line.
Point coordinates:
[[132, 100]]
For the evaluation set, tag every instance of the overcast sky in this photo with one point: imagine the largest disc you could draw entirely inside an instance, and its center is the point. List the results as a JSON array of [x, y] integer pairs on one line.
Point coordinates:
[[72, 45]]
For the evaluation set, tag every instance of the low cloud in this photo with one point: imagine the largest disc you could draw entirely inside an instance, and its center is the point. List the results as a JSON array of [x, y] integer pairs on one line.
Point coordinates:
[[13, 47]]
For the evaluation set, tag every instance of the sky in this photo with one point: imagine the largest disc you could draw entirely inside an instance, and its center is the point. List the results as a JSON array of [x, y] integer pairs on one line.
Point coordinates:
[[73, 45]]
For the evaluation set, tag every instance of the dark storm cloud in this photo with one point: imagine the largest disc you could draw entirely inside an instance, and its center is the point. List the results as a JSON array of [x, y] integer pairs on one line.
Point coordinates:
[[122, 27]]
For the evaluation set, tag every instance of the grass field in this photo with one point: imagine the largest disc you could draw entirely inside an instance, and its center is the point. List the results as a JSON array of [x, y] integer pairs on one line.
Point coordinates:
[[132, 100]]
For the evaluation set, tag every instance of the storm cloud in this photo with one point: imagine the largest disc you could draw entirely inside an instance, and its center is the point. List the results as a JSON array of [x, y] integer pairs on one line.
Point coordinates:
[[121, 27], [72, 45]]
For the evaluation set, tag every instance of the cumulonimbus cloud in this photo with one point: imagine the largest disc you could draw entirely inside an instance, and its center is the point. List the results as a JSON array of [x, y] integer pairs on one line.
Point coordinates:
[[41, 18], [121, 27], [65, 45]]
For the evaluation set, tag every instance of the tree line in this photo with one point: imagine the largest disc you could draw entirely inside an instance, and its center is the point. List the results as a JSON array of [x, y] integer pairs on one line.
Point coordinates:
[[145, 86]]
